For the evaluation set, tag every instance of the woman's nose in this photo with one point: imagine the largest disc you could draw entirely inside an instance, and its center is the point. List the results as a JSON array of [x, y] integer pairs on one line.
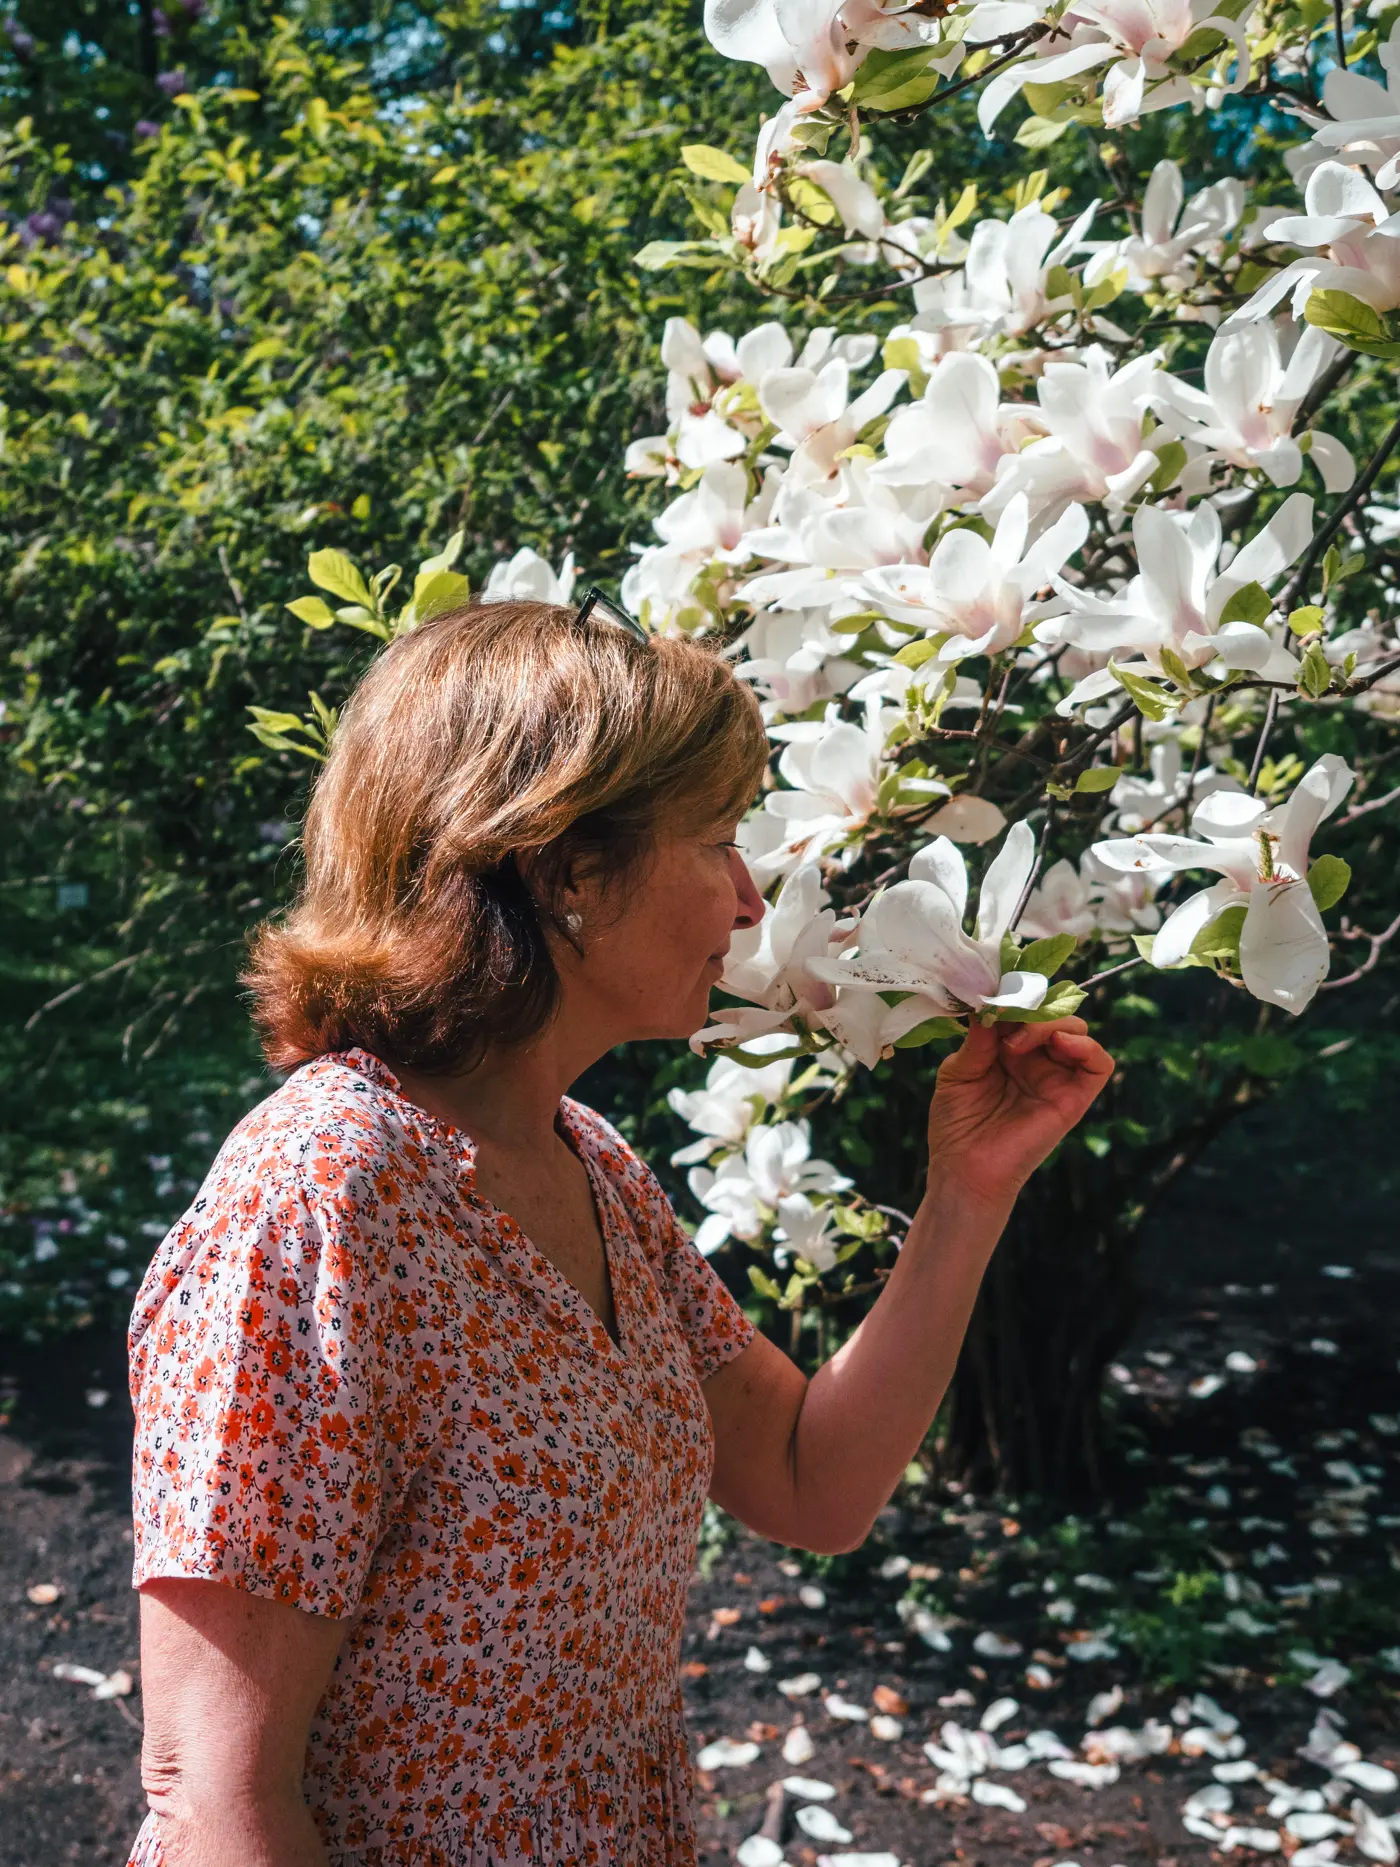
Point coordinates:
[[748, 911]]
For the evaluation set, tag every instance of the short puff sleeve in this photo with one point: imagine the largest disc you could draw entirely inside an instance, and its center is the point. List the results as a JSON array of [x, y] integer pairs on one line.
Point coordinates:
[[271, 1437]]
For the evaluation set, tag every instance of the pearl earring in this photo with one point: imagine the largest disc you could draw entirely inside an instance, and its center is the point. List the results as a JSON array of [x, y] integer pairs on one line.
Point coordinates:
[[573, 922]]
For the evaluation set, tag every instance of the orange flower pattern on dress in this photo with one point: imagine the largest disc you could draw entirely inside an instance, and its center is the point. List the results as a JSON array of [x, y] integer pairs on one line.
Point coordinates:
[[359, 1389]]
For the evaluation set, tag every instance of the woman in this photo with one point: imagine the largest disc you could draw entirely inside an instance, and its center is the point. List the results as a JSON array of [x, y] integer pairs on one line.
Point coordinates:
[[430, 1384]]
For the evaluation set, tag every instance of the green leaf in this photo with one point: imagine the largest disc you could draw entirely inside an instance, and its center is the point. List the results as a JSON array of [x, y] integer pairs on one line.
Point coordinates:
[[1047, 955], [1061, 1001], [1143, 943], [313, 612], [929, 1032], [658, 255], [713, 165], [333, 571], [1172, 458], [276, 722], [1267, 1053], [1040, 132], [895, 80], [1328, 880], [1250, 603], [915, 654], [1314, 672], [764, 1284], [1306, 621], [438, 592], [1219, 939], [1359, 325], [1146, 696], [1098, 778]]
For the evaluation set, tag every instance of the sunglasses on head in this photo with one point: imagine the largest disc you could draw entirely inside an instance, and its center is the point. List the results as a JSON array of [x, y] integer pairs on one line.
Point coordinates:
[[595, 603]]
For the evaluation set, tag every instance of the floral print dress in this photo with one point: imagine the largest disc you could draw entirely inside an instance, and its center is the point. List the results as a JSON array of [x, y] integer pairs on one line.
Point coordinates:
[[360, 1390]]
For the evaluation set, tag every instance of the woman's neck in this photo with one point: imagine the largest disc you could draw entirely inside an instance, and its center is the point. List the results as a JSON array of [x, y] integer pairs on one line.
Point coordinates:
[[510, 1100]]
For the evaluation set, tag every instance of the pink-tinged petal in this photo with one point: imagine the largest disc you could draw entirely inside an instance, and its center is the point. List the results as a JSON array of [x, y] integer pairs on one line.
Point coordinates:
[[1004, 883], [1283, 947], [1173, 942], [967, 820]]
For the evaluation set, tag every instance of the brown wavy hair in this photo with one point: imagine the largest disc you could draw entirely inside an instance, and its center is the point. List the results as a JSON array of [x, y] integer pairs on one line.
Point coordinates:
[[492, 733]]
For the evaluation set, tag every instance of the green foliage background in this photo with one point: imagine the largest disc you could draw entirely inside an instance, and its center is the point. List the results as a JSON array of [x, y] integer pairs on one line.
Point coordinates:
[[369, 279]]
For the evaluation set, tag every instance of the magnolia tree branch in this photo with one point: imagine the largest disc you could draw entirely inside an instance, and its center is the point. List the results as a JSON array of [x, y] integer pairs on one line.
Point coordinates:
[[1378, 943], [1359, 490]]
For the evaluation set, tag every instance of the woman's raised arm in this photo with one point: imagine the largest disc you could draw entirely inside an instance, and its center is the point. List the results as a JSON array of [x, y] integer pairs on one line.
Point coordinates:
[[811, 1463], [229, 1682]]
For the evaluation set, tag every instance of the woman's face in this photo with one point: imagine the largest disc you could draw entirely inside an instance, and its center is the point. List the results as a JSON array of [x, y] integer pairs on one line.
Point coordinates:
[[651, 954]]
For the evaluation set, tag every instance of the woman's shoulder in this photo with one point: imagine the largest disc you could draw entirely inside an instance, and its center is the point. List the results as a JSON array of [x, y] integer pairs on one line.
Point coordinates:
[[312, 1182], [334, 1122]]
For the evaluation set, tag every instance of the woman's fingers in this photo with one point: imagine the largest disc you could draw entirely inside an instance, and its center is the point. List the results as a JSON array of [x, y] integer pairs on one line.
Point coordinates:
[[1025, 1037], [1085, 1052]]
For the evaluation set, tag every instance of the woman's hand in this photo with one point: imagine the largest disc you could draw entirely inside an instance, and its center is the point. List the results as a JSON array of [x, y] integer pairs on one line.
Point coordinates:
[[1006, 1098]]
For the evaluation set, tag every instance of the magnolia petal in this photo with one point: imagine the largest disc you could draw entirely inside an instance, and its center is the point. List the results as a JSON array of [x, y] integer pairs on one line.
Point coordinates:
[[939, 862], [1283, 946], [968, 820], [1173, 941], [1005, 883], [1333, 461], [1025, 990]]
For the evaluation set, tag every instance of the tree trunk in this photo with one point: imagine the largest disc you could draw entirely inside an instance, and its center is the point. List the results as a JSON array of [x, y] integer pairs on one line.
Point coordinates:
[[1024, 1413]]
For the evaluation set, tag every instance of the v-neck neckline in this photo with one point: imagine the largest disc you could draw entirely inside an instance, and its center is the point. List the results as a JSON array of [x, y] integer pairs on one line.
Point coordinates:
[[568, 1128]]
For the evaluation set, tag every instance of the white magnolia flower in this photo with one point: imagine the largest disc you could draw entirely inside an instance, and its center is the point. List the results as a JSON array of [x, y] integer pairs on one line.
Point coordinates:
[[911, 937], [828, 535], [1123, 904], [770, 965], [816, 417], [832, 767], [1359, 240], [1174, 230], [956, 433], [1137, 39], [1060, 903], [748, 1189], [706, 524], [528, 578], [804, 1227], [1365, 124], [1256, 377], [1141, 800], [979, 595], [1008, 263], [1176, 600], [795, 661], [810, 48], [1093, 449], [1263, 857], [732, 1100]]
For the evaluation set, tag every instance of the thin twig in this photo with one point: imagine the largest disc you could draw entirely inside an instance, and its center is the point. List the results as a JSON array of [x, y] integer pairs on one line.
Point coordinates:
[[1095, 977], [1379, 942], [1270, 715], [1298, 581], [1338, 29], [1374, 803], [1035, 867]]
